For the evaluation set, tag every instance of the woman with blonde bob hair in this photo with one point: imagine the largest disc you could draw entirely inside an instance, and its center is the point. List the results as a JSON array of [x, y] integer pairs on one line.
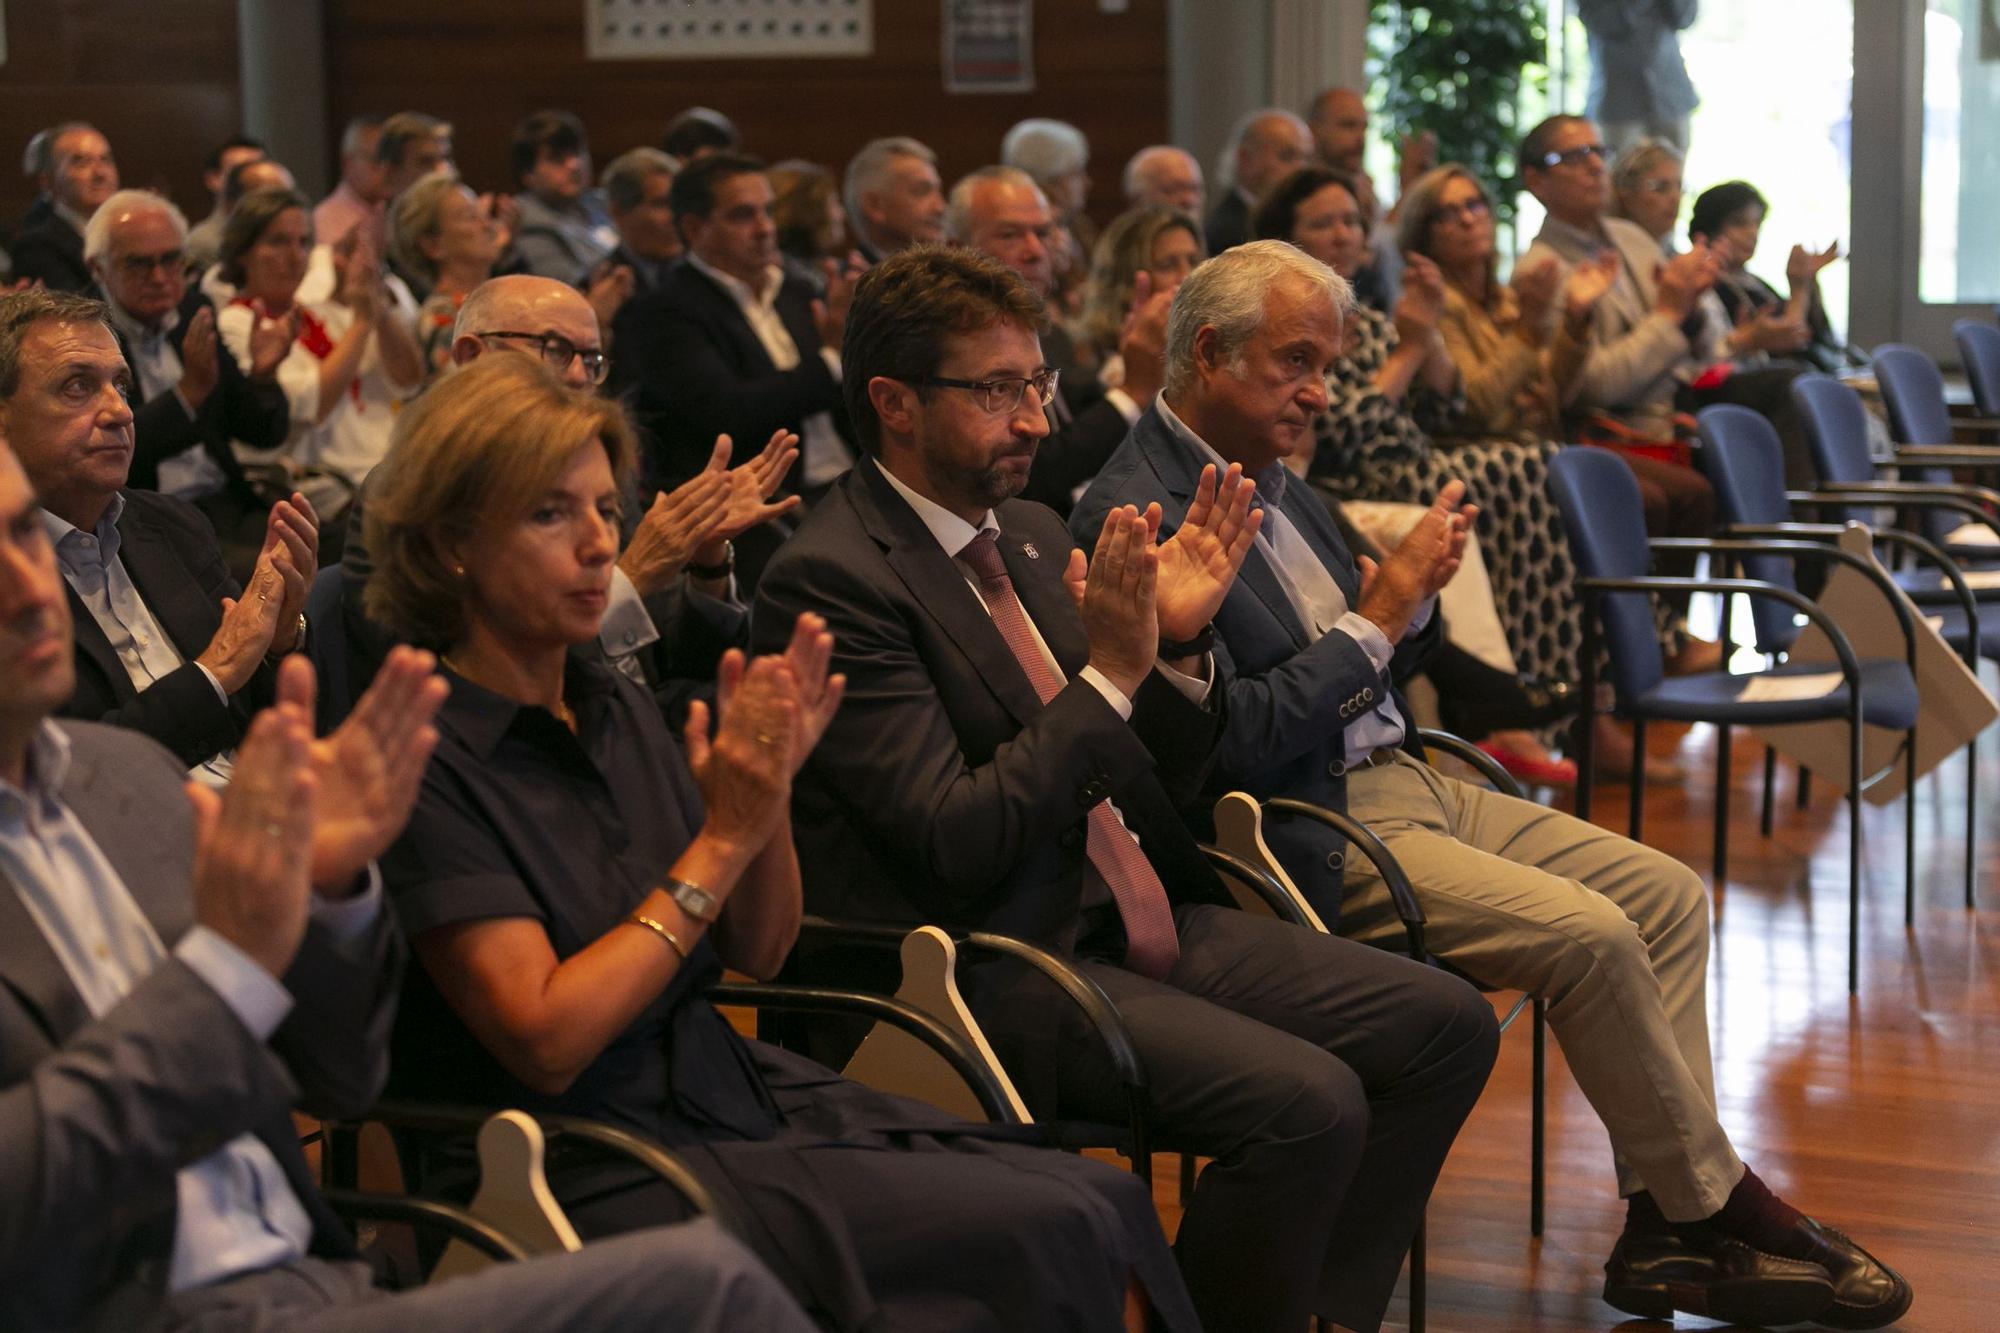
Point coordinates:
[[574, 882], [1163, 243]]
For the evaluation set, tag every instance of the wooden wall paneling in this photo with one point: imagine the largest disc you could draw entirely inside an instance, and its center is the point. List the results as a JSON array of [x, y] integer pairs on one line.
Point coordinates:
[[160, 78], [485, 66]]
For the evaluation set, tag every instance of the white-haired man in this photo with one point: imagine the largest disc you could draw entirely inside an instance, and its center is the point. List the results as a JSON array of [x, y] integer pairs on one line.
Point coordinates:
[[894, 197], [1164, 174]]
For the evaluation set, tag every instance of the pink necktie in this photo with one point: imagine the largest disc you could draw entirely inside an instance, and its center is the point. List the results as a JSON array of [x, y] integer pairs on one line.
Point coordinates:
[[1151, 947]]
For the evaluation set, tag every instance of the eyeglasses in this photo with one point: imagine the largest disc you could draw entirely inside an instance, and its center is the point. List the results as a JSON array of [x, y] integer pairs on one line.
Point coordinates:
[[1471, 210], [1003, 395], [1659, 185], [1593, 152], [559, 351], [138, 266]]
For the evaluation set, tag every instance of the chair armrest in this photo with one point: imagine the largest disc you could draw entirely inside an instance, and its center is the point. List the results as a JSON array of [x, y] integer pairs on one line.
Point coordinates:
[[1850, 666], [1259, 881], [1945, 455], [1401, 894], [363, 1206], [1798, 550], [966, 1062], [1466, 752], [445, 1118], [1904, 493], [1922, 547], [1086, 994]]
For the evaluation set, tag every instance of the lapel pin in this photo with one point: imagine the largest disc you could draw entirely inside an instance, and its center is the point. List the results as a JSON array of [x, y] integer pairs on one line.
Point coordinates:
[[1028, 549]]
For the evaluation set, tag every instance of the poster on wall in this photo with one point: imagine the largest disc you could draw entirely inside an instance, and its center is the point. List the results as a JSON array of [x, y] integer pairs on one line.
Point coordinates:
[[1989, 31], [989, 46], [727, 29]]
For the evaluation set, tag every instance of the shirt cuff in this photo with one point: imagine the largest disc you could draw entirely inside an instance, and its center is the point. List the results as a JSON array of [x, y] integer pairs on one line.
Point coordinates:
[[1127, 405], [252, 994], [346, 920], [1194, 688], [1371, 638], [221, 694], [832, 359], [627, 626], [1112, 694]]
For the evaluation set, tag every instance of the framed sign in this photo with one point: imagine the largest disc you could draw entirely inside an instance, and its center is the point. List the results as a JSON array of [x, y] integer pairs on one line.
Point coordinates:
[[989, 46], [726, 29]]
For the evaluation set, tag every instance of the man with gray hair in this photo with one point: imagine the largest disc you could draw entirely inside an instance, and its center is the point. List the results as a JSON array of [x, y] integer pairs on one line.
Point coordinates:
[[1164, 174], [361, 194], [1611, 934], [75, 169], [894, 197], [637, 185], [1264, 148]]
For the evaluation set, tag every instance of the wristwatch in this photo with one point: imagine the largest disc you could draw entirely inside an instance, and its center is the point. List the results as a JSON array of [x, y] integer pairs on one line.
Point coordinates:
[[712, 573], [1172, 650], [693, 899]]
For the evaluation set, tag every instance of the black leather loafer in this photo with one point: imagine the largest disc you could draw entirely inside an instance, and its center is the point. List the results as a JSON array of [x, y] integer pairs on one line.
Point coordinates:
[[1867, 1293], [1652, 1275]]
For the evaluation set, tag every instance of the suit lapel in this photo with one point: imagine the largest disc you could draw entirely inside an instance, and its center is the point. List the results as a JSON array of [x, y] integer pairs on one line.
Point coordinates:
[[940, 588], [168, 590], [1037, 576], [145, 841], [89, 636], [33, 973]]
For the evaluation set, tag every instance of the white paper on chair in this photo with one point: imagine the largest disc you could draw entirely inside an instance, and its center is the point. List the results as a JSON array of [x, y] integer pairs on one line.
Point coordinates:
[[1786, 689], [1973, 534], [1974, 578], [1936, 623]]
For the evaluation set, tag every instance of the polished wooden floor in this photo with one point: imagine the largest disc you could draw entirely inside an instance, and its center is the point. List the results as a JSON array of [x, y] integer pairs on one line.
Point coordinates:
[[1880, 1114]]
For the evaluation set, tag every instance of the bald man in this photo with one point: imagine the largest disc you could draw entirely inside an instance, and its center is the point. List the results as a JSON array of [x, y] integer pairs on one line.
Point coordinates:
[[673, 607], [1164, 174], [1267, 146]]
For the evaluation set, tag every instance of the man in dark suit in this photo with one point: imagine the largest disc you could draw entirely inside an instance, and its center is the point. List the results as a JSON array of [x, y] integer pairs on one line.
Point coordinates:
[[178, 970], [1267, 146], [190, 398], [1012, 723], [637, 185], [79, 175], [1614, 935], [1003, 214], [166, 643], [732, 342]]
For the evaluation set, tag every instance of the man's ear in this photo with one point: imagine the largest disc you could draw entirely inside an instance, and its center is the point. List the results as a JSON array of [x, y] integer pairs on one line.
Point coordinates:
[[1207, 350], [894, 403], [465, 349]]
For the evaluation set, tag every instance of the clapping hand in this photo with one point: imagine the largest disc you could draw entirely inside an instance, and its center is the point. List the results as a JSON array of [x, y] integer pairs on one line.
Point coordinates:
[[199, 370], [829, 312], [753, 483], [809, 656], [1535, 285], [1199, 562], [1803, 266], [1588, 282], [251, 886], [1142, 340], [1422, 302], [745, 768], [1116, 597], [367, 772], [1422, 563], [678, 524], [291, 541], [270, 339]]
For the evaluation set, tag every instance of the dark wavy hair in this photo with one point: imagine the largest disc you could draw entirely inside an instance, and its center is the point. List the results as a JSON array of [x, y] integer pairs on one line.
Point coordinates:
[[1717, 204], [1279, 212]]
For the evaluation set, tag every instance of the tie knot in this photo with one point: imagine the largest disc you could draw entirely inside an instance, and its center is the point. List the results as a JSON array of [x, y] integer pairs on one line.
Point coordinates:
[[982, 554]]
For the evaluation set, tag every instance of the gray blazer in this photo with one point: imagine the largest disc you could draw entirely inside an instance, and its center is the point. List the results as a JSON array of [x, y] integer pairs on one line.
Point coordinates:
[[98, 1114]]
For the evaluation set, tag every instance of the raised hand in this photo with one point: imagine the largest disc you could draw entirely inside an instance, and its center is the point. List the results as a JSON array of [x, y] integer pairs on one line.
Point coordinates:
[[1119, 613], [753, 483], [1422, 302], [270, 340], [1588, 282], [251, 886], [1535, 285], [1198, 563], [291, 538], [1803, 266], [830, 311], [809, 656], [1422, 563], [608, 289], [1774, 331], [678, 524], [199, 370], [244, 637], [367, 772], [1684, 278], [1142, 340], [745, 769]]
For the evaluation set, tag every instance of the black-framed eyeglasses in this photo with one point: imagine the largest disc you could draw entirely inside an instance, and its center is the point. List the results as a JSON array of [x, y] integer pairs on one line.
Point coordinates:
[[139, 266], [559, 351], [1471, 210], [1571, 157], [1006, 394]]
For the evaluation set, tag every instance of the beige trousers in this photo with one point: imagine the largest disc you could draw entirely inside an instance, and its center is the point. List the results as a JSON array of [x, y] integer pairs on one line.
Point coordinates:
[[1612, 934]]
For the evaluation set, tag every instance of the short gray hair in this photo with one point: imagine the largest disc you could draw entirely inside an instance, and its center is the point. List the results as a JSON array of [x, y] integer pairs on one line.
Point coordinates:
[[1134, 179], [624, 177], [1045, 149], [21, 311], [1227, 294], [40, 157], [868, 170], [97, 232], [958, 206]]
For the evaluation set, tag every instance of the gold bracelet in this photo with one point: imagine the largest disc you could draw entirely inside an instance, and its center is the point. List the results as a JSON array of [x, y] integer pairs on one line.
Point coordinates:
[[673, 941]]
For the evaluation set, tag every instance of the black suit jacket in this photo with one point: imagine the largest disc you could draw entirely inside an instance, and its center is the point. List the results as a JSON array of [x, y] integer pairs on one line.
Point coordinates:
[[171, 553], [52, 251], [238, 408], [97, 1115], [945, 790], [1228, 224], [1081, 438], [695, 370]]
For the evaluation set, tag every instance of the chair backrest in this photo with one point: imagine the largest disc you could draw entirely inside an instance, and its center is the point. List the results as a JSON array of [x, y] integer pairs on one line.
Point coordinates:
[[1979, 347], [1606, 523], [326, 645], [1745, 462], [1913, 390], [1836, 424]]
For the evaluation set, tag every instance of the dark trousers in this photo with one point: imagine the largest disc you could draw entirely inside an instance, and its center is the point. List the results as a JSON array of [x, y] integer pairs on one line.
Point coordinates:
[[1679, 502], [1327, 1080]]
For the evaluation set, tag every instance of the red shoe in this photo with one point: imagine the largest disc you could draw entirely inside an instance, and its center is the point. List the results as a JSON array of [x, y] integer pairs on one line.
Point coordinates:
[[1537, 770]]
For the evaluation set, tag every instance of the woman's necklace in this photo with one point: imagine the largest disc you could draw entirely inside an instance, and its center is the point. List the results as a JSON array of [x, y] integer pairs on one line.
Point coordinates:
[[562, 708]]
